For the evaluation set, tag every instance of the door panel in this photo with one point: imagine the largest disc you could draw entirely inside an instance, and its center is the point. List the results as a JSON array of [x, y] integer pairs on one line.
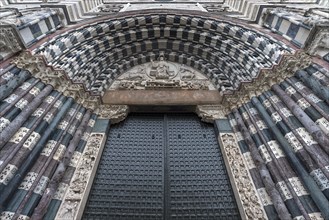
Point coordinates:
[[161, 166]]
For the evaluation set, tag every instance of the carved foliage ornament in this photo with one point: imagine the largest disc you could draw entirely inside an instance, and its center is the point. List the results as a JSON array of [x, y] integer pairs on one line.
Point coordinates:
[[116, 113], [320, 43], [59, 80], [246, 190], [209, 113], [9, 42], [266, 78], [73, 199]]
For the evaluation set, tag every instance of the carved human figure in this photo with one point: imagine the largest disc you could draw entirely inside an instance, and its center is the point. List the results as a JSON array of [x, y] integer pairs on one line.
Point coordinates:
[[160, 69]]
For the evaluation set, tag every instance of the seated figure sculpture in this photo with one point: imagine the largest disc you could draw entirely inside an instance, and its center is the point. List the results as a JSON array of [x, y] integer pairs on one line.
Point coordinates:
[[160, 69]]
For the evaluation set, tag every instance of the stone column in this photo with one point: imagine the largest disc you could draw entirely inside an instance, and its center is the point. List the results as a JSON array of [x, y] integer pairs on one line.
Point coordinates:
[[7, 88], [76, 196], [310, 184], [8, 190], [248, 202]]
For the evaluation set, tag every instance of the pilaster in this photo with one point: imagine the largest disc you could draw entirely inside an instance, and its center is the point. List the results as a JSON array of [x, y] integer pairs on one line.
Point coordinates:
[[247, 199], [76, 196]]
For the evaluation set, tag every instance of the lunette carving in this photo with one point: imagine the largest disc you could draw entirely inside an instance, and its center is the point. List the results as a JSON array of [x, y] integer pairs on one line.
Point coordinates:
[[161, 74], [250, 202]]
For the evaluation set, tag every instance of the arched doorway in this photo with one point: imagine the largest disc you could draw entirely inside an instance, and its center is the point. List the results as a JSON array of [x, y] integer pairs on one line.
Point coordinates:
[[161, 166]]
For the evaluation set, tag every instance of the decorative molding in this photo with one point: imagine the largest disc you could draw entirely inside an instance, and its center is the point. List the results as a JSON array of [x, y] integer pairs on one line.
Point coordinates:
[[115, 113], [110, 8], [248, 200], [10, 43], [210, 113], [267, 77], [162, 74], [77, 193], [59, 80], [320, 44]]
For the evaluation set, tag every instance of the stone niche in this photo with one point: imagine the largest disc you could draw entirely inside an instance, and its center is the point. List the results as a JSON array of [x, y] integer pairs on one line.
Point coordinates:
[[162, 82]]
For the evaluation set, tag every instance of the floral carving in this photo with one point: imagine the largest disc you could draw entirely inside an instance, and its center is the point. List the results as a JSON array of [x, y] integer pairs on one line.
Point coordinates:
[[82, 179], [266, 78], [115, 113], [9, 42], [246, 190], [209, 113]]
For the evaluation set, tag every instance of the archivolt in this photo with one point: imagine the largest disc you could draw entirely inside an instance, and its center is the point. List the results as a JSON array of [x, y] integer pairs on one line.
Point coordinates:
[[99, 52]]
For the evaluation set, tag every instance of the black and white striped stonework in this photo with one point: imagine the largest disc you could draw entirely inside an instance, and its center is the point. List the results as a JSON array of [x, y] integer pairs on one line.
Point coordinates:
[[229, 52], [266, 200], [288, 124], [37, 143]]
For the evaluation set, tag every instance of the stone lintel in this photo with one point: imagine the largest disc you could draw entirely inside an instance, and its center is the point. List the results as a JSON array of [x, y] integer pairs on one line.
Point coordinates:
[[162, 97]]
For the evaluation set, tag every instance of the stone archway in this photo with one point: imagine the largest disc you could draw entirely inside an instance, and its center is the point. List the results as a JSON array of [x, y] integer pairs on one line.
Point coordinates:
[[108, 47]]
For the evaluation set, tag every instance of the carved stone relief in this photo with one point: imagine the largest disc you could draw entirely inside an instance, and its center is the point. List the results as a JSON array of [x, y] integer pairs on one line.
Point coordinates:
[[75, 197], [116, 113], [209, 113], [215, 8], [267, 77], [154, 74], [9, 42], [320, 43], [250, 202], [57, 78], [162, 74], [110, 8]]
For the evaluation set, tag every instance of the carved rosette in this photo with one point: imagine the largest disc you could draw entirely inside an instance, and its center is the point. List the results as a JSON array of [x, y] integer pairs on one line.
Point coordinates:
[[210, 113], [250, 202], [77, 193]]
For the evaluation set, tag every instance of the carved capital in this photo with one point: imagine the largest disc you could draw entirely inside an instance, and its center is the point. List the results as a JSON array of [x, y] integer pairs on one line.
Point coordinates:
[[245, 189], [57, 78], [210, 113], [115, 113], [267, 77]]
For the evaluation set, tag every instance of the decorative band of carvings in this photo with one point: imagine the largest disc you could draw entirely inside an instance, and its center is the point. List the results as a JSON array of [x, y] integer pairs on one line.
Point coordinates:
[[248, 201], [210, 113], [287, 67], [77, 194], [59, 79]]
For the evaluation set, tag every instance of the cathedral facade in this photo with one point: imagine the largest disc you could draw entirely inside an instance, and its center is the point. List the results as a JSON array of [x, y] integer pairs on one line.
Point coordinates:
[[99, 102]]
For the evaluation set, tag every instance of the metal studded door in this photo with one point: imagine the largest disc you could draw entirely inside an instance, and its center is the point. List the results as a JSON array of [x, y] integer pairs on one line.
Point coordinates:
[[161, 166]]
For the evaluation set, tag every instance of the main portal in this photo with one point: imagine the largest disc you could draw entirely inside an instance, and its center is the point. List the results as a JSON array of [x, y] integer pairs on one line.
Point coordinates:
[[161, 166]]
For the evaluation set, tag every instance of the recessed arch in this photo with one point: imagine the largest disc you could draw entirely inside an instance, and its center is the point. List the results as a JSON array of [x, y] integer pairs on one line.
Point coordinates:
[[97, 53]]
